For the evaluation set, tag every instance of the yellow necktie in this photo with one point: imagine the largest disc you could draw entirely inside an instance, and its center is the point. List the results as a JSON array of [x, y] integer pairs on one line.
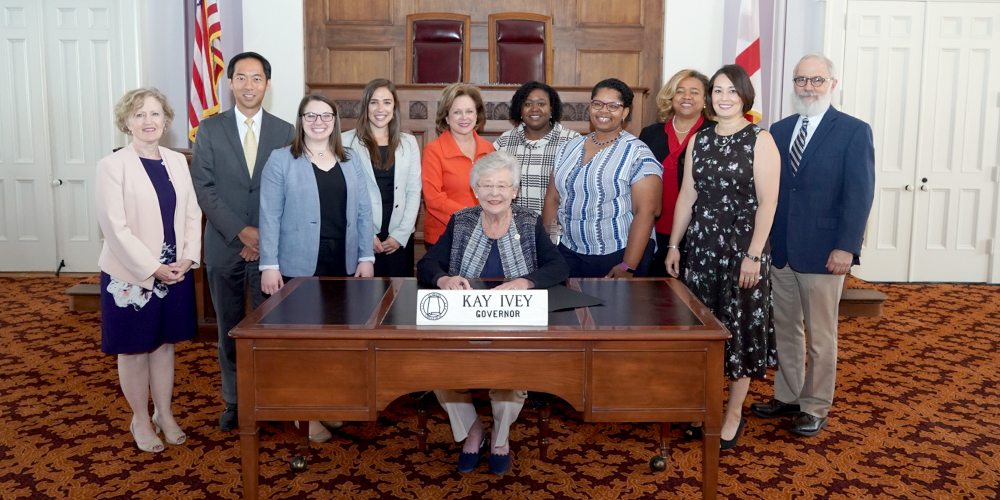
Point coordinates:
[[250, 146]]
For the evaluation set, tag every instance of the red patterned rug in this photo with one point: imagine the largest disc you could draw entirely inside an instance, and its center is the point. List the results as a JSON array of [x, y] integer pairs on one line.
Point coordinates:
[[917, 415]]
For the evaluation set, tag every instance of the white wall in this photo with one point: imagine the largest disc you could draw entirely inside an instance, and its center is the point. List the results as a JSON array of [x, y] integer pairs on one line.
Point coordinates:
[[692, 36], [164, 37], [275, 30]]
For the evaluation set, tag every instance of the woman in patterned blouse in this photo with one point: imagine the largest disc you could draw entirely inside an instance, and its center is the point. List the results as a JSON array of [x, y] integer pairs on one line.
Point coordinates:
[[535, 111]]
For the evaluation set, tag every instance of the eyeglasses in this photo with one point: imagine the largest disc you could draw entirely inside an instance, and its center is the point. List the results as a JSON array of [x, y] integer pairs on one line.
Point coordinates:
[[311, 117], [599, 105], [488, 188], [816, 81]]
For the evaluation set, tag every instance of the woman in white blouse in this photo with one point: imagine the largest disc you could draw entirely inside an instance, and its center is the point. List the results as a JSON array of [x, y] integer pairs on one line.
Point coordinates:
[[390, 160]]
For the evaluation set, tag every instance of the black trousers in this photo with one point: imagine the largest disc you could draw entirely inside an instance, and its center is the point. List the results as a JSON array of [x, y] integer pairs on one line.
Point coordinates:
[[598, 266]]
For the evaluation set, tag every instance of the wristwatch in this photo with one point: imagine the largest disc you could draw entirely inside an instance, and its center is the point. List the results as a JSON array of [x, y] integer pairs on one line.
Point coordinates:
[[627, 269]]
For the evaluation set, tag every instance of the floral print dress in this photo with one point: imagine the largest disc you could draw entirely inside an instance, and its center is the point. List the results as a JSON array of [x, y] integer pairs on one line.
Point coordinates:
[[722, 225]]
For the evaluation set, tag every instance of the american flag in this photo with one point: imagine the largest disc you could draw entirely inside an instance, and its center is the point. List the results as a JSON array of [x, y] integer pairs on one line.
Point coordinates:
[[748, 52], [207, 69]]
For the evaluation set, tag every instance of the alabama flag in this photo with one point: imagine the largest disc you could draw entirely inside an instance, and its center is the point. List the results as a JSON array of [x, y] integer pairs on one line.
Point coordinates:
[[748, 52]]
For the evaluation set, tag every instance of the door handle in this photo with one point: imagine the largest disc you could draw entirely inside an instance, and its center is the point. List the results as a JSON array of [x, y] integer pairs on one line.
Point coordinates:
[[908, 187], [923, 187], [57, 182]]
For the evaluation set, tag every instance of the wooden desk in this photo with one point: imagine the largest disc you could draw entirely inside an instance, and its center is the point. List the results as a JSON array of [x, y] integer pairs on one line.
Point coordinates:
[[652, 353]]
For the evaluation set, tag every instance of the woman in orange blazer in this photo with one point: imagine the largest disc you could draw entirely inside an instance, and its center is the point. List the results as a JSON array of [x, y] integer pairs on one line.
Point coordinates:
[[448, 159], [151, 222]]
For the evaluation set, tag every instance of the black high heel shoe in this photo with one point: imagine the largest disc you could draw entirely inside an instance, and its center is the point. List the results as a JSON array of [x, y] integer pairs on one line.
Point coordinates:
[[728, 444]]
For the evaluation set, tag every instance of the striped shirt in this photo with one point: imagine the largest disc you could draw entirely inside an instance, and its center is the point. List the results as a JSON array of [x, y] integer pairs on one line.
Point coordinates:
[[595, 200], [536, 158]]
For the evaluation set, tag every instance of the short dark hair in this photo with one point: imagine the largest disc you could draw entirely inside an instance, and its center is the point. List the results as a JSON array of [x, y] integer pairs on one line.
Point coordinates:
[[623, 90], [741, 82], [448, 96], [247, 55], [517, 102]]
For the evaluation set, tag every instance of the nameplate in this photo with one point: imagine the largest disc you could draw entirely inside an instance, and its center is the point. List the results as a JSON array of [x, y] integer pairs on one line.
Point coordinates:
[[483, 307]]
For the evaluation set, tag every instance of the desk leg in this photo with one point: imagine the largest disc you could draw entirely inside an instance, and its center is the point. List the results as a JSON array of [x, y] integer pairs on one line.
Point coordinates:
[[710, 465], [303, 447], [249, 453]]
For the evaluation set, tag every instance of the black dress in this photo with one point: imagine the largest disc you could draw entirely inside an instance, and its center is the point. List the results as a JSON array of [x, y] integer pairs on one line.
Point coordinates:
[[332, 221], [722, 225], [137, 320], [400, 262]]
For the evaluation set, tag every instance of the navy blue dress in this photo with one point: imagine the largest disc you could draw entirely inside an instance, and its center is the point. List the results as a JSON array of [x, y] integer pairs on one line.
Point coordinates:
[[135, 319]]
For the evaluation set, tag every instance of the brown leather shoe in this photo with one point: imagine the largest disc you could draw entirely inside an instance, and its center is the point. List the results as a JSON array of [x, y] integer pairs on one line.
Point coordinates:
[[774, 409], [807, 425]]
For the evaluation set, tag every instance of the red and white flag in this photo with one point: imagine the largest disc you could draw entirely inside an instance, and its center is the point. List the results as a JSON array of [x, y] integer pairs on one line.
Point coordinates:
[[207, 68], [748, 52]]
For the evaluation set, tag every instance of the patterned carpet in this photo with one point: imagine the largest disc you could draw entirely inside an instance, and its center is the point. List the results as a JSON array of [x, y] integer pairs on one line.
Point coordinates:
[[917, 416]]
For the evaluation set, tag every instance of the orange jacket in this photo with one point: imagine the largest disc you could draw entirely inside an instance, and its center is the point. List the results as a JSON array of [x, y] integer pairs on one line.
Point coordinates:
[[445, 171]]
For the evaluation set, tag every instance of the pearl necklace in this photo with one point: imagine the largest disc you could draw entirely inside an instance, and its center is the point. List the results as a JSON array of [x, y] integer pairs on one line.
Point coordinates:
[[673, 123], [593, 138]]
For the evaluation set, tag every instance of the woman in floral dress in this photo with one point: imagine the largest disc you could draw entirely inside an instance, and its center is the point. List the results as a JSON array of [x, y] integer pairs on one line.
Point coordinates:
[[725, 207]]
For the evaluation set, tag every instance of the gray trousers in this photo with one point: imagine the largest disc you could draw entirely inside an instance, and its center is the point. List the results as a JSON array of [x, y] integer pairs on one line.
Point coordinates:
[[806, 311], [462, 414], [228, 286]]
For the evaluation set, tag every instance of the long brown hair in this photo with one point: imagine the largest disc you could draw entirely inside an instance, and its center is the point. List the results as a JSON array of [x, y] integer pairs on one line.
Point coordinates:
[[363, 129], [299, 141]]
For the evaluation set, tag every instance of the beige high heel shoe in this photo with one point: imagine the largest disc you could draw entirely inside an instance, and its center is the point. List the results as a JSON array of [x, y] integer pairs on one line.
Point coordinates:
[[320, 437], [152, 446], [174, 438]]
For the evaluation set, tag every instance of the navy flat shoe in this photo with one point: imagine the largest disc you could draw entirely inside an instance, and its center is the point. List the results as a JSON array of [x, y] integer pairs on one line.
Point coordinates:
[[499, 464], [468, 462]]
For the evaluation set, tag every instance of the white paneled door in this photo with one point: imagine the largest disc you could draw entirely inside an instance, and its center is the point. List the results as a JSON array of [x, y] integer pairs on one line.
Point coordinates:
[[926, 76], [27, 230], [65, 64]]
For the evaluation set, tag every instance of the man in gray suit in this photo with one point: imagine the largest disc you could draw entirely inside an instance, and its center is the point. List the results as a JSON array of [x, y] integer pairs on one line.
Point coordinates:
[[230, 151]]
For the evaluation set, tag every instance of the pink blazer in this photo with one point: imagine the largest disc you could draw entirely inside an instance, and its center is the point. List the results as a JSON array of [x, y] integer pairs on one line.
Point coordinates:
[[129, 216]]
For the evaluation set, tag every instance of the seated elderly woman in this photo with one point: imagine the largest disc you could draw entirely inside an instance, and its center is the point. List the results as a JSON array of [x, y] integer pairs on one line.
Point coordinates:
[[493, 240]]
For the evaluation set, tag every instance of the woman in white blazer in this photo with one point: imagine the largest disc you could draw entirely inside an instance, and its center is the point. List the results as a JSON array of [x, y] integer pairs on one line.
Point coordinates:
[[390, 160], [151, 221]]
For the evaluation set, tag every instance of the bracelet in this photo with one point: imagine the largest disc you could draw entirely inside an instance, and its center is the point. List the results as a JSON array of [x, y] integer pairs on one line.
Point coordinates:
[[753, 257], [673, 246], [627, 269]]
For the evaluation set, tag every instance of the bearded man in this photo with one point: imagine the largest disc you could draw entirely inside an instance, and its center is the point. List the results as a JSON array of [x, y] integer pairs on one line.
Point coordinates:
[[825, 196]]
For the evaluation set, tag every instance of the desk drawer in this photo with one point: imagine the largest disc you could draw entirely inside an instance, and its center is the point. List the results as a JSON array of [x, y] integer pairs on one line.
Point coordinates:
[[649, 379], [556, 371], [305, 377]]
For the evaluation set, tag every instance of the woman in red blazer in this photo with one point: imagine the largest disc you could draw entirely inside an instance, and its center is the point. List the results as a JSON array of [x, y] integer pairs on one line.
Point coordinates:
[[448, 159], [151, 222]]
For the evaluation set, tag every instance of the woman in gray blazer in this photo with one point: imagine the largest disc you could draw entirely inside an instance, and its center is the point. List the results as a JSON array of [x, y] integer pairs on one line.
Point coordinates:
[[315, 212], [390, 160]]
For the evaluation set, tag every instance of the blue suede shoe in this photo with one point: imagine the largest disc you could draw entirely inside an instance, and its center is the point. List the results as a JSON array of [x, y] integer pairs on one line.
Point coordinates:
[[468, 462], [499, 464]]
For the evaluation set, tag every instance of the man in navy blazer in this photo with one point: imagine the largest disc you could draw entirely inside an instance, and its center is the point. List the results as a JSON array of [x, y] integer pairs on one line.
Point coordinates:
[[230, 151], [826, 192]]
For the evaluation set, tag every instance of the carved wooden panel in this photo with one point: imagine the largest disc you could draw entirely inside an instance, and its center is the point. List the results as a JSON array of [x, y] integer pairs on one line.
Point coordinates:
[[366, 12], [359, 66], [598, 65], [603, 12]]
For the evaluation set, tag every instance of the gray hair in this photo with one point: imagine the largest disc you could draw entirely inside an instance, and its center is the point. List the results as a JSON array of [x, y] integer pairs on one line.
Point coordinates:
[[497, 160], [823, 59]]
